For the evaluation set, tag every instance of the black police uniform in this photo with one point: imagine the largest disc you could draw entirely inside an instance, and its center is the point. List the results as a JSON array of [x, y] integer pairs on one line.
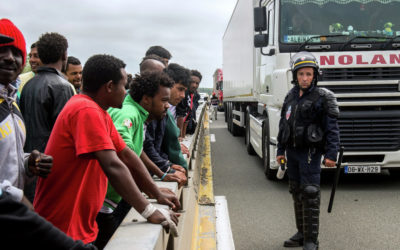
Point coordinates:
[[308, 129]]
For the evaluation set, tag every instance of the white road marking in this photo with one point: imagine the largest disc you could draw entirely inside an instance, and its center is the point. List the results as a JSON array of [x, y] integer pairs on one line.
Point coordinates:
[[223, 224], [212, 138]]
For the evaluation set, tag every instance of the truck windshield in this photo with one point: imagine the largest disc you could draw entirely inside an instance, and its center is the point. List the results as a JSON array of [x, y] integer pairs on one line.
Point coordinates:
[[302, 19]]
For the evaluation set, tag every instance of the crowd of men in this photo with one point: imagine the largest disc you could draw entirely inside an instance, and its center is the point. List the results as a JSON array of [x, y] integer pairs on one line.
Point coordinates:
[[81, 144]]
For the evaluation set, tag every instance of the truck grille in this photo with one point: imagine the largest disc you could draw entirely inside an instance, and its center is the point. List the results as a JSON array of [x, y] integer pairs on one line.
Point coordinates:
[[353, 88], [370, 130], [354, 74]]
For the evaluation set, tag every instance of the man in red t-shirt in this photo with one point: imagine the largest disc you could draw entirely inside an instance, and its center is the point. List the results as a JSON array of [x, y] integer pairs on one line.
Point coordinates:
[[88, 150]]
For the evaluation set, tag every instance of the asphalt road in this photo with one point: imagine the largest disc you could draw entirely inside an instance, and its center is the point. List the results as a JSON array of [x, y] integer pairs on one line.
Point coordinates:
[[366, 211]]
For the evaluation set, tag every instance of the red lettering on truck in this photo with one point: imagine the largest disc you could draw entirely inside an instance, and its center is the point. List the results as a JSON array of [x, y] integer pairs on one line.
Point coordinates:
[[394, 59], [345, 59], [360, 60], [378, 59], [327, 60]]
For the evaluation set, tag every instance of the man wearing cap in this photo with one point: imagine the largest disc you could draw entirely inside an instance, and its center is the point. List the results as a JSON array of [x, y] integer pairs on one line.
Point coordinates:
[[308, 129], [15, 168]]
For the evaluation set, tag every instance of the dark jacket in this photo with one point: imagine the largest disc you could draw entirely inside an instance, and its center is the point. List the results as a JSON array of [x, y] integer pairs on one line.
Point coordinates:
[[183, 108], [42, 99], [309, 121], [187, 109], [25, 229], [152, 144], [162, 145]]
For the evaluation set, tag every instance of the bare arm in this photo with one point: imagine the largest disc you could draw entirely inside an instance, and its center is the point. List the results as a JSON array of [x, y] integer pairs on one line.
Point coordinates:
[[150, 165], [120, 178], [144, 180]]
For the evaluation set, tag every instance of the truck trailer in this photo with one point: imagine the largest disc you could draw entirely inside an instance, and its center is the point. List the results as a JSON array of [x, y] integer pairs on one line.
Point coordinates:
[[357, 45]]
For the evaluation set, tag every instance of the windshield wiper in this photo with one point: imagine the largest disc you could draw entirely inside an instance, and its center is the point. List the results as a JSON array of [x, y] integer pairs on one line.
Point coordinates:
[[390, 41], [309, 39], [364, 37]]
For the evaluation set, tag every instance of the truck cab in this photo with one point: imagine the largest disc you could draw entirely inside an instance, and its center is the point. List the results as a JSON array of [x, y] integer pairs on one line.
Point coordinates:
[[356, 44]]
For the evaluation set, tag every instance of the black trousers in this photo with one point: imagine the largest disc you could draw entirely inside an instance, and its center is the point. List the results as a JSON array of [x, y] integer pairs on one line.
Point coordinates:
[[304, 165]]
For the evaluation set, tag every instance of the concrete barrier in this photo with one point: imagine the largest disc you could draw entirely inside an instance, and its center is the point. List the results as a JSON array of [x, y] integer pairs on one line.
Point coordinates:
[[197, 221]]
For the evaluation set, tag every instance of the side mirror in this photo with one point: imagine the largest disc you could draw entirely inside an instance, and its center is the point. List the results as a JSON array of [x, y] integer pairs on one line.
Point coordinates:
[[260, 19], [260, 40]]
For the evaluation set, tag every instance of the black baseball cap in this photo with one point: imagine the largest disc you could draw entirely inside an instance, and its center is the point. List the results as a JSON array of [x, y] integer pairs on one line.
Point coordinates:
[[5, 39]]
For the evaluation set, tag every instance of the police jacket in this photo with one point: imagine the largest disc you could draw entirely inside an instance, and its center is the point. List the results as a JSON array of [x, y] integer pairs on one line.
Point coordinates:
[[309, 121], [42, 99]]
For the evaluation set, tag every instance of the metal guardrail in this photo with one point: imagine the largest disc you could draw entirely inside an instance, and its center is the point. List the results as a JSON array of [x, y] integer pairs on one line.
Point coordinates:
[[197, 222]]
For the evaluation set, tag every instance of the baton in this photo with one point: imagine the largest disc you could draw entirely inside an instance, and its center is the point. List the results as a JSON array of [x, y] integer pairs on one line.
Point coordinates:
[[336, 180]]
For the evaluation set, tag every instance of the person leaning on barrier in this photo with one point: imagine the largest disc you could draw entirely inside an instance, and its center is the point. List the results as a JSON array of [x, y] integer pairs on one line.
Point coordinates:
[[308, 129], [151, 63], [147, 100], [186, 109], [162, 143], [88, 152]]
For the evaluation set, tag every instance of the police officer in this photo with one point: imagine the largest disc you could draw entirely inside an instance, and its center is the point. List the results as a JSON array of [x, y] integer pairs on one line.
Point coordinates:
[[308, 129]]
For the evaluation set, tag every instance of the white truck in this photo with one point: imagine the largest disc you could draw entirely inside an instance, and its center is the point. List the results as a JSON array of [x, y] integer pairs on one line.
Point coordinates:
[[357, 45]]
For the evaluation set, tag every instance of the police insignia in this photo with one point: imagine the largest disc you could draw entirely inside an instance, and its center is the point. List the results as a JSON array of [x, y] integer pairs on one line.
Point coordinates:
[[127, 123], [288, 112]]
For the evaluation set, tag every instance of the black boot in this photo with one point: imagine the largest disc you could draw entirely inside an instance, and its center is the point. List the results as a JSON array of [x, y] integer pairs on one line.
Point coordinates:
[[311, 202], [297, 239]]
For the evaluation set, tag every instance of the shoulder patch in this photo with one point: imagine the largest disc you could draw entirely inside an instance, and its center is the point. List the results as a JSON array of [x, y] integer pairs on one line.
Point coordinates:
[[127, 123]]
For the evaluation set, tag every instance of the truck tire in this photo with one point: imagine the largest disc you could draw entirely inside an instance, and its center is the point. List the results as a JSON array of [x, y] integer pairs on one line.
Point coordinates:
[[269, 173], [236, 130], [225, 112], [228, 116], [232, 127], [249, 147]]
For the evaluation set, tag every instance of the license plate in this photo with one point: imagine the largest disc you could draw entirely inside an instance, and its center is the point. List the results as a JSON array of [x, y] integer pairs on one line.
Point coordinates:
[[362, 169]]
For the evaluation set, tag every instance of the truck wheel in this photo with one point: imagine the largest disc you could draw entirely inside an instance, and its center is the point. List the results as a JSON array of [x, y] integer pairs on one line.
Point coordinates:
[[225, 112], [249, 147], [236, 130], [229, 117], [269, 173], [232, 127]]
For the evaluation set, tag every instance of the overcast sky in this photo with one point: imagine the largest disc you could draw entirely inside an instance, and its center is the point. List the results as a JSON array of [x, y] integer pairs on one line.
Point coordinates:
[[191, 30]]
